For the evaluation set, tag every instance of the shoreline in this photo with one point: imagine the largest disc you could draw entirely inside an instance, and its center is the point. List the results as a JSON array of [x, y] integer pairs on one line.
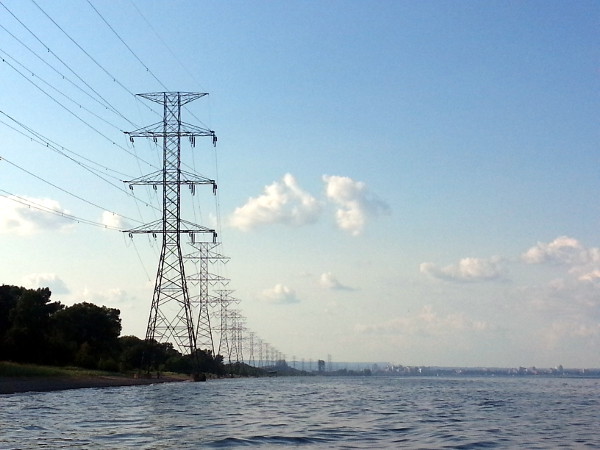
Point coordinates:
[[16, 385]]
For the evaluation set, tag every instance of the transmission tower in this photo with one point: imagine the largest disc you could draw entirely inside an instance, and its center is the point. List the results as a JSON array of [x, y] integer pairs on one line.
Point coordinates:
[[171, 316], [205, 300]]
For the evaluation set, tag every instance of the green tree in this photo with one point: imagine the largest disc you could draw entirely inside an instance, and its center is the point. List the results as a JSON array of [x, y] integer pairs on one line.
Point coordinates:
[[9, 295], [132, 351], [26, 339], [88, 335]]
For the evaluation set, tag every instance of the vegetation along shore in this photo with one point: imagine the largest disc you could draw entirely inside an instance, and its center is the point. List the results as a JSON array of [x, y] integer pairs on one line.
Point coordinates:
[[15, 378]]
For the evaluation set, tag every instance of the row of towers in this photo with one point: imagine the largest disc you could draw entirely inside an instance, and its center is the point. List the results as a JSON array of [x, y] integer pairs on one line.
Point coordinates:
[[186, 293], [192, 307]]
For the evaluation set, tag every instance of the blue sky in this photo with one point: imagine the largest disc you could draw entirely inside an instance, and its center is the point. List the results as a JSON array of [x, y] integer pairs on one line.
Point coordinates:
[[412, 182]]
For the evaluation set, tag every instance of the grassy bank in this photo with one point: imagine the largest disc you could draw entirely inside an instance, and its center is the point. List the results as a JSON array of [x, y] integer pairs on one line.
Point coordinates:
[[11, 369], [16, 378]]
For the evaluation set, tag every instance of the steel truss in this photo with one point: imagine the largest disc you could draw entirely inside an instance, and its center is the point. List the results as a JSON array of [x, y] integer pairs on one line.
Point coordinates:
[[171, 316]]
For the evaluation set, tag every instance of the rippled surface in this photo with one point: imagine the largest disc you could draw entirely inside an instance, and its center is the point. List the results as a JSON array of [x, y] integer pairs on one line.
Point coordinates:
[[312, 411]]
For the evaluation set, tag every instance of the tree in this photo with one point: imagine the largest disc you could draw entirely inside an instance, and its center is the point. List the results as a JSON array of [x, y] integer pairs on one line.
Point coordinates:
[[88, 335], [26, 339], [9, 295], [132, 352]]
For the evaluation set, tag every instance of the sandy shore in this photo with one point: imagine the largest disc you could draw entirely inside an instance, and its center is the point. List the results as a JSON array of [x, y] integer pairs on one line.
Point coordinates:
[[12, 385]]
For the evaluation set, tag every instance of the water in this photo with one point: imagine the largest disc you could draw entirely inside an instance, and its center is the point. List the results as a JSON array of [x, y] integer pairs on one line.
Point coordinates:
[[319, 412]]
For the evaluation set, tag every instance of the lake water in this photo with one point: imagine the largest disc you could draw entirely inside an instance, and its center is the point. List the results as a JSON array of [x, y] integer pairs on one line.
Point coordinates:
[[318, 412]]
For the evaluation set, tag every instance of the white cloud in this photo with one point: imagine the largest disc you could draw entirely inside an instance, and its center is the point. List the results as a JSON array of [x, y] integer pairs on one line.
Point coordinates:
[[467, 269], [112, 220], [282, 202], [593, 276], [425, 322], [109, 297], [49, 280], [562, 250], [583, 263], [24, 216], [279, 294], [112, 296], [355, 203], [329, 281]]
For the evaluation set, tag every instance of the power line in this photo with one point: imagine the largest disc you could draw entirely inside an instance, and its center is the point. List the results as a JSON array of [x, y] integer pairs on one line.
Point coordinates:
[[32, 204], [174, 56], [33, 74], [89, 56], [163, 42], [77, 116], [83, 50], [61, 150], [96, 62], [49, 143], [49, 50], [64, 190], [100, 100], [127, 46]]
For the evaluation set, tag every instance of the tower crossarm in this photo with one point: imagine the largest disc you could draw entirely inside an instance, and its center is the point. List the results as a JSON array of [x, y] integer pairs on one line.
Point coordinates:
[[155, 179], [156, 227], [163, 97], [158, 130]]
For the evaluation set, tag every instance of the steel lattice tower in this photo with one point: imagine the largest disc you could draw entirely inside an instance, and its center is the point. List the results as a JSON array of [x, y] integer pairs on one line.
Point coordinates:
[[171, 316], [204, 254]]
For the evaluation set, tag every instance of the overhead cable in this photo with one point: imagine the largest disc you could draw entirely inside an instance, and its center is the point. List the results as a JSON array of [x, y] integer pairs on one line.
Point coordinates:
[[35, 205], [79, 118], [33, 74], [106, 103], [46, 142], [174, 56], [2, 158], [127, 46], [82, 49]]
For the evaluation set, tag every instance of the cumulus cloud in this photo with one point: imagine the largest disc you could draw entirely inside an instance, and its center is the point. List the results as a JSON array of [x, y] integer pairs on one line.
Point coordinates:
[[562, 250], [49, 280], [329, 281], [467, 269], [113, 221], [282, 202], [583, 263], [355, 203], [279, 294], [24, 216]]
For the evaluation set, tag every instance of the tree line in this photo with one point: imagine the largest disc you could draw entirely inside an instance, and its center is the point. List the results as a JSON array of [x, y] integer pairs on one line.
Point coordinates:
[[35, 329]]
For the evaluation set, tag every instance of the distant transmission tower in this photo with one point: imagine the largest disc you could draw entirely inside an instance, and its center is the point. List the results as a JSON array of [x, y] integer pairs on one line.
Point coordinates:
[[171, 314]]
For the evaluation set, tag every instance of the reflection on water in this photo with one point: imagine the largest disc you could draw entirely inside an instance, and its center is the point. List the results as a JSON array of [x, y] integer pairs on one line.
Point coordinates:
[[368, 412]]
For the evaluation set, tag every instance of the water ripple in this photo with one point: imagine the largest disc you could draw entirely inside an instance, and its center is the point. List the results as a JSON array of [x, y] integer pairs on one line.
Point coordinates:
[[310, 412]]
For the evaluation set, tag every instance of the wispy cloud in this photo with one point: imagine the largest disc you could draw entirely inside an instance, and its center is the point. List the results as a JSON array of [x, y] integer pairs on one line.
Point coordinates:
[[112, 220], [329, 281], [354, 202], [279, 294], [42, 280], [425, 322], [108, 297], [467, 269], [25, 216], [282, 202]]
